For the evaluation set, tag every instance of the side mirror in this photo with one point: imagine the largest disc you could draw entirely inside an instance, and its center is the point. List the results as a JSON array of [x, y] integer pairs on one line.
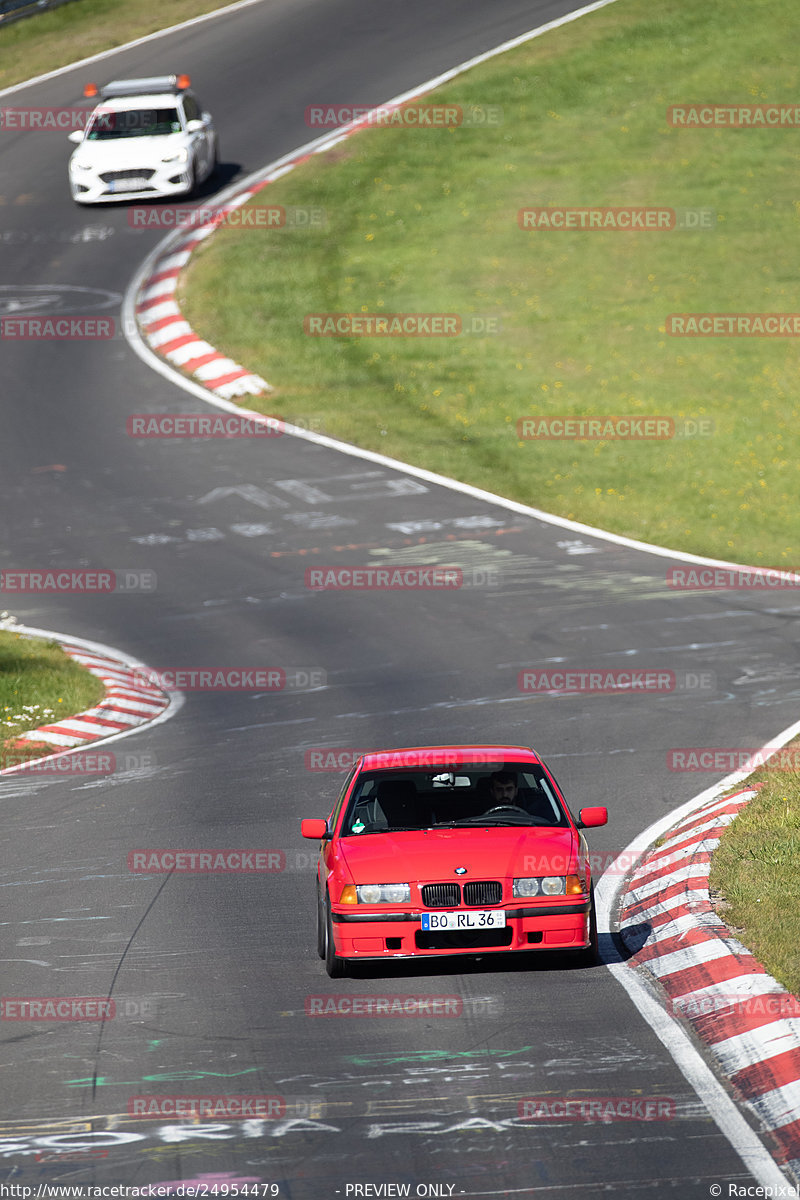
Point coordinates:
[[76, 136], [588, 818], [314, 828], [194, 126]]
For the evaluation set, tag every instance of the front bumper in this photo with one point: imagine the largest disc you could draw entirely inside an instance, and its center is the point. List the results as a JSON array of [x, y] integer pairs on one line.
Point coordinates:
[[166, 179], [398, 934]]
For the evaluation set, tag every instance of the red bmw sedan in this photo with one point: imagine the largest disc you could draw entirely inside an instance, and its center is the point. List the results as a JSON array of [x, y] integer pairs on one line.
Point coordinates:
[[442, 850]]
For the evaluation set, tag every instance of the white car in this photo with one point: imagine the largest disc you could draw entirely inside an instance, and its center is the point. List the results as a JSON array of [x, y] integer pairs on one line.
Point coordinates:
[[146, 138]]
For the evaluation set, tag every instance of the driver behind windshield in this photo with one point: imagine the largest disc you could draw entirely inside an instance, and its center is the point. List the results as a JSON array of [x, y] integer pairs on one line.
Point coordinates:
[[503, 788]]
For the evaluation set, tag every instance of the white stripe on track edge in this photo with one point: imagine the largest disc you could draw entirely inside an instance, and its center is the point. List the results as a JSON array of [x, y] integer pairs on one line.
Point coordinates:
[[175, 699]]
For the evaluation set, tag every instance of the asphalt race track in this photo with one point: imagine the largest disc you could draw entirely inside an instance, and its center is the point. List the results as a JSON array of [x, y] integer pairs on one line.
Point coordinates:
[[213, 974]]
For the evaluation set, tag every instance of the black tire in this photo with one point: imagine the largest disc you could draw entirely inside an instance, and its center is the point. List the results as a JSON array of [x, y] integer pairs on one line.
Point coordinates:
[[591, 955], [335, 966], [321, 930]]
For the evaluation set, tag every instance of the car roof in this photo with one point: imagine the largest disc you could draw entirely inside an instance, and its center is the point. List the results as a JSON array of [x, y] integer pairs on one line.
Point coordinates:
[[421, 757], [125, 103]]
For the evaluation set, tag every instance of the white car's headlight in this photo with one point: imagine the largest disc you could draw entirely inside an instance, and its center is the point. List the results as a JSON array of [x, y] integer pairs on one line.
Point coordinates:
[[383, 893], [181, 155], [77, 165]]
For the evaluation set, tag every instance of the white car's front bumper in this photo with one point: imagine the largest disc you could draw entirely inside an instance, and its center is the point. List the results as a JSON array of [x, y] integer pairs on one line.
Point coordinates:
[[93, 185]]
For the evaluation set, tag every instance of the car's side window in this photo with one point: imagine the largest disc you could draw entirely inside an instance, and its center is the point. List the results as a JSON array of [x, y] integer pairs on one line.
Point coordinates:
[[337, 808], [191, 108]]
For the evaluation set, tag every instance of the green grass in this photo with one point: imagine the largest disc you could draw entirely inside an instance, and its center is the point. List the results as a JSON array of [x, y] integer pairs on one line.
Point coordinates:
[[756, 869], [39, 684], [427, 221], [74, 31]]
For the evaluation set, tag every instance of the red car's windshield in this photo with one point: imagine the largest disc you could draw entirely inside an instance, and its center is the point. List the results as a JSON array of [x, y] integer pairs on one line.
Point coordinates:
[[448, 796]]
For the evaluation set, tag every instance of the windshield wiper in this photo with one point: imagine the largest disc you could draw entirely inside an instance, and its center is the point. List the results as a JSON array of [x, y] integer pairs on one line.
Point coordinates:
[[484, 819]]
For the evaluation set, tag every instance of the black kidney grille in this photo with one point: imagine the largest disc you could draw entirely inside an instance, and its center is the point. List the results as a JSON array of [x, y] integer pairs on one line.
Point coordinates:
[[488, 892], [441, 895]]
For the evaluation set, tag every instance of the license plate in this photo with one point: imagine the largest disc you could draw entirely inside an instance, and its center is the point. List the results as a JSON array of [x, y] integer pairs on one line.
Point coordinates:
[[486, 919], [128, 185]]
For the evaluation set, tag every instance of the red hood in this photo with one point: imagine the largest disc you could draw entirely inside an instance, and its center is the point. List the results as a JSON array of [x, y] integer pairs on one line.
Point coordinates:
[[433, 856]]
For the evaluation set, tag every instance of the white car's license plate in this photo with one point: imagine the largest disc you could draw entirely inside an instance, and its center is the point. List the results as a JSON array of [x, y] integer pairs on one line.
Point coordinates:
[[484, 919], [128, 185]]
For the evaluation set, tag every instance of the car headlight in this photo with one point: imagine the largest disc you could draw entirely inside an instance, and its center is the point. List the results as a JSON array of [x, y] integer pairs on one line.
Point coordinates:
[[77, 165], [549, 885], [383, 893], [525, 887], [181, 155]]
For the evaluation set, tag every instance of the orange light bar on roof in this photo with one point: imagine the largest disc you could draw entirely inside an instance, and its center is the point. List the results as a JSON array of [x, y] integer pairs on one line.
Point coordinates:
[[183, 81], [90, 90]]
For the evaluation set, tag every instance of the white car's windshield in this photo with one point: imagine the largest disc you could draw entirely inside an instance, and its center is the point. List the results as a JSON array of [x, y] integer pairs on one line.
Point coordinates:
[[517, 794], [138, 122]]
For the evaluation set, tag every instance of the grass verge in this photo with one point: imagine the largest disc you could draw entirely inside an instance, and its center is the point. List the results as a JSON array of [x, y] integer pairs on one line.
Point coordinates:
[[756, 869], [39, 683], [74, 31], [425, 220]]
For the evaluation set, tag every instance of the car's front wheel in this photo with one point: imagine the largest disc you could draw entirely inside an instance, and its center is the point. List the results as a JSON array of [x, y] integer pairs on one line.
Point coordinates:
[[322, 932], [334, 965], [591, 955]]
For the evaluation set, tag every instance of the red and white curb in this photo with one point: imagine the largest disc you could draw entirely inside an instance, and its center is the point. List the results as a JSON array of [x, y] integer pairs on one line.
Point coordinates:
[[745, 1018], [131, 699], [172, 337], [163, 325]]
